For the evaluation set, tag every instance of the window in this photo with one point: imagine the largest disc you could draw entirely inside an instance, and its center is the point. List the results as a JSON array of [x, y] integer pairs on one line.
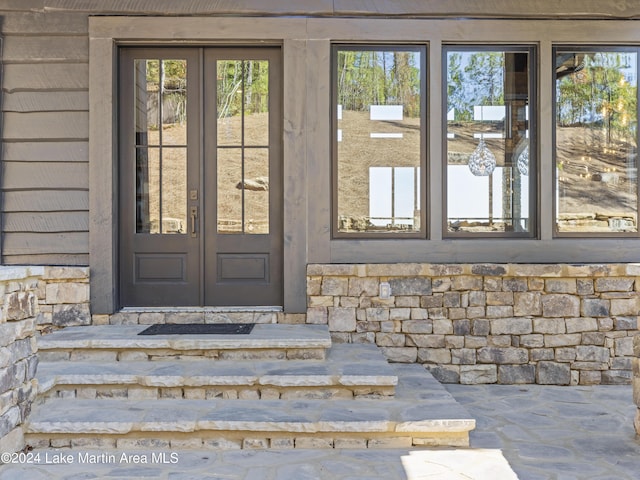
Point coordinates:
[[490, 143], [379, 140], [596, 140]]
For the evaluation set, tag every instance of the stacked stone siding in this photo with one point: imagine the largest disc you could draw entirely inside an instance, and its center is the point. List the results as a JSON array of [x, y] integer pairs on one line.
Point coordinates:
[[636, 380], [63, 298], [495, 323], [18, 352]]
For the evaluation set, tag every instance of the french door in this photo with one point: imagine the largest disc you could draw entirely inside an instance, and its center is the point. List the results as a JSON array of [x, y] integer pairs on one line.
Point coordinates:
[[200, 177]]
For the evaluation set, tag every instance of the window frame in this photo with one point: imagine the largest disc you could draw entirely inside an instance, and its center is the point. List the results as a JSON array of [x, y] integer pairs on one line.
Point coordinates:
[[534, 170], [421, 48], [558, 47]]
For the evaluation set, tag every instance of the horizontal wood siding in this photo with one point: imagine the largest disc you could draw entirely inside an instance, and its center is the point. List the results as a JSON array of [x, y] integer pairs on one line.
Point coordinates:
[[46, 125], [45, 159], [46, 49], [45, 77], [51, 243], [25, 102], [46, 222], [36, 176], [77, 151], [335, 8], [46, 201], [41, 23]]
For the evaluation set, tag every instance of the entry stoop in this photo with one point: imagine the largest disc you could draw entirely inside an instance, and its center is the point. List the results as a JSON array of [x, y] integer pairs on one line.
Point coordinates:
[[107, 387]]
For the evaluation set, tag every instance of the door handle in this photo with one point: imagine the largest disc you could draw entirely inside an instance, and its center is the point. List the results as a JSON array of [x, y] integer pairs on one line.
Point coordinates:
[[194, 217]]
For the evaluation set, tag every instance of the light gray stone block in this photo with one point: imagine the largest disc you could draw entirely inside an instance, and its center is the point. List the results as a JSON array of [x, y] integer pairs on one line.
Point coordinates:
[[410, 286], [614, 284], [503, 355], [535, 340], [511, 326], [595, 307], [417, 326], [481, 327], [514, 285], [592, 353], [462, 327], [553, 373], [434, 355], [466, 282], [549, 325], [335, 286], [623, 346], [560, 305], [478, 374], [495, 311], [581, 324], [565, 340], [527, 304], [626, 323], [516, 374], [442, 326], [445, 373], [616, 377], [401, 354], [342, 319], [499, 298], [71, 315], [367, 287], [565, 354], [463, 356]]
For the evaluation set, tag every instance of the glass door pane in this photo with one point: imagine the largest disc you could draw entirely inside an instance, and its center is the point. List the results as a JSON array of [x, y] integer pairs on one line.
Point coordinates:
[[242, 146], [160, 99]]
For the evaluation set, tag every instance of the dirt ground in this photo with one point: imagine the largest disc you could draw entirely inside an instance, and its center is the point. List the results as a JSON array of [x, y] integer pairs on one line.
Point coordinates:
[[596, 173]]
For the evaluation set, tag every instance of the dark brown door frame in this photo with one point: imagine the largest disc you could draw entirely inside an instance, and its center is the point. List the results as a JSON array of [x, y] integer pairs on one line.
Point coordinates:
[[201, 284]]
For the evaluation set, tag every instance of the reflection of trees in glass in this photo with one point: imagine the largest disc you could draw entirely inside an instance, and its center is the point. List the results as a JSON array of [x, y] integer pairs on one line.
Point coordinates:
[[171, 75], [598, 95], [379, 78], [474, 79], [242, 81]]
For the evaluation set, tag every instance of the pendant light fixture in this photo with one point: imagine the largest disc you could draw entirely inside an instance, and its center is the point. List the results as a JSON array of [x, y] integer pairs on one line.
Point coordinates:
[[523, 161], [482, 161]]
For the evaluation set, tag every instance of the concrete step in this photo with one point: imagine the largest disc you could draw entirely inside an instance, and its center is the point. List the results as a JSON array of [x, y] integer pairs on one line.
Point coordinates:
[[349, 371], [106, 343], [423, 413]]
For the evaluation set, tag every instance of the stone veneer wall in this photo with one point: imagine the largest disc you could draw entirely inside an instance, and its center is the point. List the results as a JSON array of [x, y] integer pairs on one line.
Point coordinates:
[[636, 380], [63, 298], [35, 299], [487, 323], [18, 359]]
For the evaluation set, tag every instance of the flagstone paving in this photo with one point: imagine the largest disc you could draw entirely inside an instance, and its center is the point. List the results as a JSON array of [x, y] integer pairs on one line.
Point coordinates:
[[543, 432]]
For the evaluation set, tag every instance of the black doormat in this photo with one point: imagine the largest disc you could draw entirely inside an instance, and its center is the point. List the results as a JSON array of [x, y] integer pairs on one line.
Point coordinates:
[[198, 329]]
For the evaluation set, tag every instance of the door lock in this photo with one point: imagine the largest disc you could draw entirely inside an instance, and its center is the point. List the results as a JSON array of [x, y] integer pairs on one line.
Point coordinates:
[[194, 218]]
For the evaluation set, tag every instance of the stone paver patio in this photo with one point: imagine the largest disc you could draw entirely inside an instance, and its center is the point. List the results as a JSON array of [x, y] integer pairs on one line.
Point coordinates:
[[543, 432]]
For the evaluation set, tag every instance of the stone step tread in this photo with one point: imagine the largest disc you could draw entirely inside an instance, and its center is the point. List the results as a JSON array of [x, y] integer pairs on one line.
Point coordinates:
[[345, 365], [416, 411], [263, 336]]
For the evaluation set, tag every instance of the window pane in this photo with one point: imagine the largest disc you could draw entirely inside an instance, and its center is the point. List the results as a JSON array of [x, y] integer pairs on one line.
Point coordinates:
[[378, 140], [230, 198], [256, 102], [161, 168], [173, 88], [596, 141], [147, 74], [256, 191], [174, 190], [488, 141], [229, 101]]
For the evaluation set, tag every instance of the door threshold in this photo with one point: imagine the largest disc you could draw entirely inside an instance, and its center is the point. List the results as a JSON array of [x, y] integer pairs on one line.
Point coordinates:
[[256, 309]]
